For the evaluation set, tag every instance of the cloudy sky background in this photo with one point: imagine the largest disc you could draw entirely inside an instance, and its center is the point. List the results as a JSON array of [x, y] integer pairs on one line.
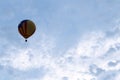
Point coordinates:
[[74, 40]]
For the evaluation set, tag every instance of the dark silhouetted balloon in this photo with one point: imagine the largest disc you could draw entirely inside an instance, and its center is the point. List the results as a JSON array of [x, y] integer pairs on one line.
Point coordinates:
[[26, 28]]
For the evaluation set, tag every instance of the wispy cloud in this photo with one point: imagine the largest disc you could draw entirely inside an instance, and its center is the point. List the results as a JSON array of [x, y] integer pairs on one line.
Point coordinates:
[[95, 56], [29, 56]]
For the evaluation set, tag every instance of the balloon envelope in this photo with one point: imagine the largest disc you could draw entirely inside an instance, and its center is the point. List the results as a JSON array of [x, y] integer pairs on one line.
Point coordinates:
[[26, 28]]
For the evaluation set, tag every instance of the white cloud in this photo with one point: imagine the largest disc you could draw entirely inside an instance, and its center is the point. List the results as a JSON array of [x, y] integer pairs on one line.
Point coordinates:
[[94, 49], [33, 56], [94, 57]]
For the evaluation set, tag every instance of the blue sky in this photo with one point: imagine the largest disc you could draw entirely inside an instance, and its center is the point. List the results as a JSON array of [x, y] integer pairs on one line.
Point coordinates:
[[74, 40]]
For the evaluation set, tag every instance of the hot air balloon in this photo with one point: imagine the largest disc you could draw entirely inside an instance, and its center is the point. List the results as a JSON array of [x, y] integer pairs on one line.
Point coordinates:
[[26, 28]]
